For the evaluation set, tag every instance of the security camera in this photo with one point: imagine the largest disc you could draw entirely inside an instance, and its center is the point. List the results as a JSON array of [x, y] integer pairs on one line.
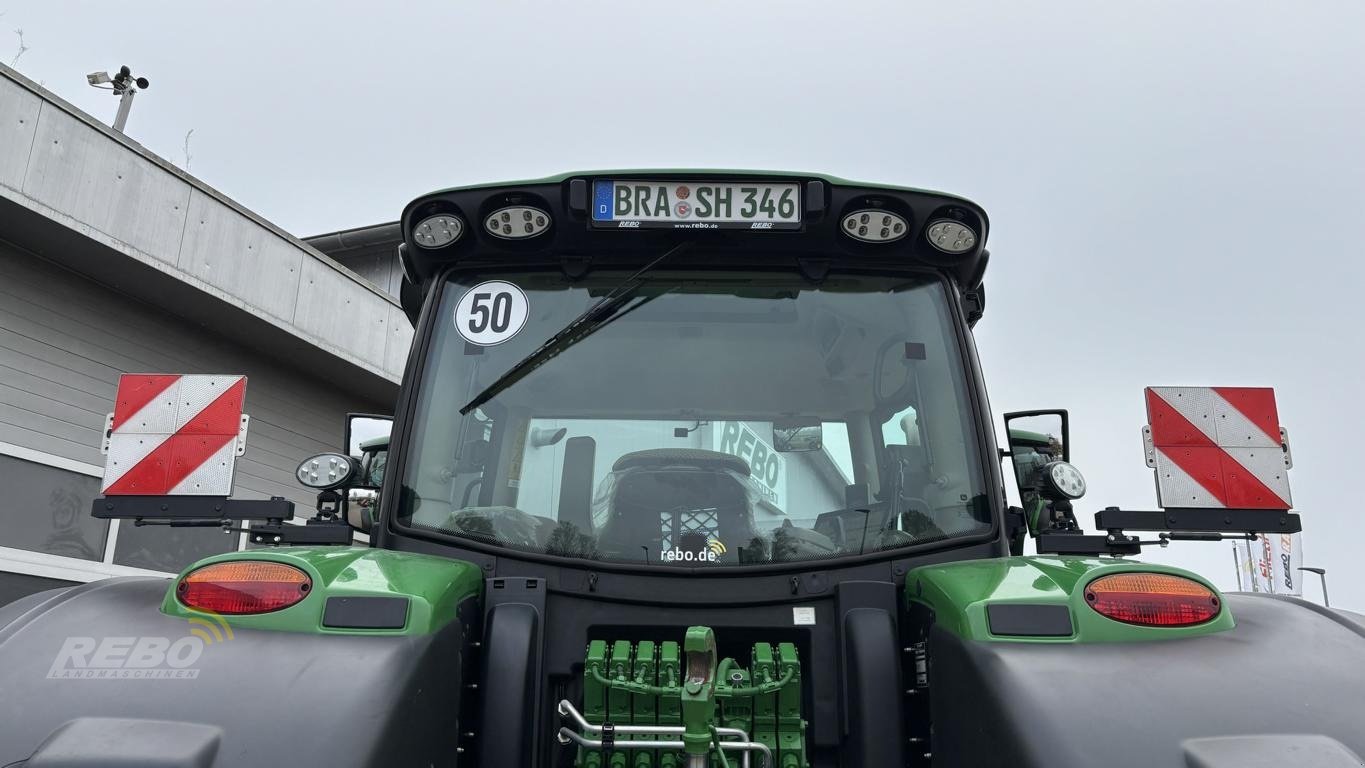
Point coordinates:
[[97, 78], [142, 83]]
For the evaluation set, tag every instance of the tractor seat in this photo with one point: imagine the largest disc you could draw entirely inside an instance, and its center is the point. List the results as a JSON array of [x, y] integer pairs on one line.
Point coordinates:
[[696, 458], [677, 498]]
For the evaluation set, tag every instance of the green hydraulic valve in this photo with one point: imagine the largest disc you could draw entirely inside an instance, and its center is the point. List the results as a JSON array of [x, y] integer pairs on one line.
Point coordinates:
[[654, 704]]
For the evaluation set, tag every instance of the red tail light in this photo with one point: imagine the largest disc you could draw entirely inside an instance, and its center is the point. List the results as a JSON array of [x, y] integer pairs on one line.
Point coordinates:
[[1152, 599], [243, 586]]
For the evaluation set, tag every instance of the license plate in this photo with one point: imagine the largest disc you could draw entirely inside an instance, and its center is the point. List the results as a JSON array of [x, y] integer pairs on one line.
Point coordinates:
[[696, 205]]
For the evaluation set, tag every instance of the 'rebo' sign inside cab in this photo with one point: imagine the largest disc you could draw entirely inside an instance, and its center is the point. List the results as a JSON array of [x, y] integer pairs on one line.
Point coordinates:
[[767, 467]]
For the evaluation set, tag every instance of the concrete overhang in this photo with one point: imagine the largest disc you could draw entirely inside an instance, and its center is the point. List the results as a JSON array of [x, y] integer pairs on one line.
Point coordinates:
[[79, 194], [379, 238]]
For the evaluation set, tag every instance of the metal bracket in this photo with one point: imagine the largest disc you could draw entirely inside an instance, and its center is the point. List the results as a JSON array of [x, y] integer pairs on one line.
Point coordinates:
[[313, 533], [1199, 519], [241, 435], [1148, 446], [1115, 543], [188, 508], [108, 432]]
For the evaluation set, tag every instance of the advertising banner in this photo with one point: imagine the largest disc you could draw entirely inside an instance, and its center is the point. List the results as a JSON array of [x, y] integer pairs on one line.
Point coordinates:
[[1270, 564]]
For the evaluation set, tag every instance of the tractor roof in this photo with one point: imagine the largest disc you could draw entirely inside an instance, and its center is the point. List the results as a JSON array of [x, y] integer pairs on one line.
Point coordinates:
[[574, 236], [375, 442], [678, 173]]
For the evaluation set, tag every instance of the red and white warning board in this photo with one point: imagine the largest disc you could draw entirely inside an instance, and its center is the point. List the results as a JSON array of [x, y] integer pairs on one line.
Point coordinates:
[[174, 435], [1219, 447]]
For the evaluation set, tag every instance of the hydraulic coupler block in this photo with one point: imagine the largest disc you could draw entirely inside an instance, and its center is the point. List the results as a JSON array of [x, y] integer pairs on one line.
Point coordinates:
[[669, 705]]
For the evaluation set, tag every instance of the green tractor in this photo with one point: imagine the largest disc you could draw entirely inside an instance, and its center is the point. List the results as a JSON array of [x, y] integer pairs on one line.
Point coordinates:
[[688, 469]]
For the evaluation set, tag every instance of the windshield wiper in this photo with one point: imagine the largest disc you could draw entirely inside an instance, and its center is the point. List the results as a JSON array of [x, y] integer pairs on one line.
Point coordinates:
[[610, 307]]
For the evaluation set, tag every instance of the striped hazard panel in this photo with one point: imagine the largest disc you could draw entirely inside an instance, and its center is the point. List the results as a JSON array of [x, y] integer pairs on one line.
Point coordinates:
[[1218, 447], [174, 435]]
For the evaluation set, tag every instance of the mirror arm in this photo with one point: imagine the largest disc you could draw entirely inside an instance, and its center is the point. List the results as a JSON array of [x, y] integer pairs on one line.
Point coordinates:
[[1067, 520], [1016, 529], [329, 503]]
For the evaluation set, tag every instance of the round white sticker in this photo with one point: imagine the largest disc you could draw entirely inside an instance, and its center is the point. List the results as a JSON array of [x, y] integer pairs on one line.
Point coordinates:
[[491, 313]]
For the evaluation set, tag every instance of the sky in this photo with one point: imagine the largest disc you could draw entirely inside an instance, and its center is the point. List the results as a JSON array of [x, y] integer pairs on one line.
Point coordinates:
[[1175, 186]]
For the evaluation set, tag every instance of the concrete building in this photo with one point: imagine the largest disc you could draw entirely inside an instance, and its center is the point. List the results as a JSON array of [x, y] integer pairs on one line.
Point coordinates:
[[114, 261]]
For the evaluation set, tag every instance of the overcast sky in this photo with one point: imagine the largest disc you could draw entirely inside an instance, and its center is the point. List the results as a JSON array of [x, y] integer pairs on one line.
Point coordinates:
[[1175, 188]]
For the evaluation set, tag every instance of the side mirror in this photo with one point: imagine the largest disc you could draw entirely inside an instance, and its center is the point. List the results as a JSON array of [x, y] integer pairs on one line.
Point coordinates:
[[362, 509], [797, 438], [367, 439], [1040, 454], [364, 427]]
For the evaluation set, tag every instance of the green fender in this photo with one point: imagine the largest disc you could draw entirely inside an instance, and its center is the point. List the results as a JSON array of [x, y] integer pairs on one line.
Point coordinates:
[[434, 586], [958, 593]]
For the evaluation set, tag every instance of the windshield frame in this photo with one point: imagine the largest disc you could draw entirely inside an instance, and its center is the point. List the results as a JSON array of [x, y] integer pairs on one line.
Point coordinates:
[[391, 530]]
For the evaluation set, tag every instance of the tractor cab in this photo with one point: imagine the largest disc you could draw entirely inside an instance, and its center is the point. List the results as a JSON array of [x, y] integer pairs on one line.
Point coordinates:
[[675, 374]]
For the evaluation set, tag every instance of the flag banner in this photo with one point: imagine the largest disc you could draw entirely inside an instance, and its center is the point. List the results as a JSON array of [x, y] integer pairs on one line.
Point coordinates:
[[1270, 564]]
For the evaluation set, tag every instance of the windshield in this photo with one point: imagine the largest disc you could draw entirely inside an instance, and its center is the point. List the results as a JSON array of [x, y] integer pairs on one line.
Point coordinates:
[[720, 418]]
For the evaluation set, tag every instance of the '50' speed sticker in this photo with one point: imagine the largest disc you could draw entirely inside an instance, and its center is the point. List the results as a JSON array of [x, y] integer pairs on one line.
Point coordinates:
[[491, 313]]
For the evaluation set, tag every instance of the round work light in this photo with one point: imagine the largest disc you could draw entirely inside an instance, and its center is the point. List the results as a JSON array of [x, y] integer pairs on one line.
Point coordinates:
[[437, 231], [517, 222], [875, 226], [951, 236], [326, 470], [1065, 479]]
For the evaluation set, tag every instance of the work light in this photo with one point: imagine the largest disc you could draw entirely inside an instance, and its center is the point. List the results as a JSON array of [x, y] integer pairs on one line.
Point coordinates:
[[437, 231], [951, 236], [517, 222], [326, 470], [874, 226], [1065, 479]]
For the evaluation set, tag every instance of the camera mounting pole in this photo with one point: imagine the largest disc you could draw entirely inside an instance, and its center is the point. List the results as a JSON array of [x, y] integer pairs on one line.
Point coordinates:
[[124, 85]]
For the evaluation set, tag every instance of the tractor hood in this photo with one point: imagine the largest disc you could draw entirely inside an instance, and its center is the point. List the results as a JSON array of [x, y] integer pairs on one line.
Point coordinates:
[[1288, 667], [1021, 670], [98, 670]]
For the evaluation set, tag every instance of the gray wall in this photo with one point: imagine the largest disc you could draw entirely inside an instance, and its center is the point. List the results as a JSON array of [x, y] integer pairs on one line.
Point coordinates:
[[377, 265], [64, 340], [60, 164]]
